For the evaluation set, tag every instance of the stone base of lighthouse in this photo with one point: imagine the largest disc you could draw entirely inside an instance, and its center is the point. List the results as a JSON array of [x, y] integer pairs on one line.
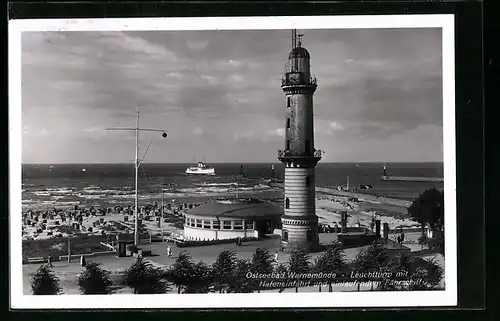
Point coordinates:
[[299, 222]]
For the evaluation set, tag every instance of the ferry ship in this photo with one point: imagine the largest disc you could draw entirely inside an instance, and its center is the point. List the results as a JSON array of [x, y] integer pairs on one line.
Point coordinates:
[[201, 169]]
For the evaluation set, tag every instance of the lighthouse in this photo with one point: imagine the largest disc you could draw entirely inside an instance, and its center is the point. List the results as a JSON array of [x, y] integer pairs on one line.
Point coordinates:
[[299, 222]]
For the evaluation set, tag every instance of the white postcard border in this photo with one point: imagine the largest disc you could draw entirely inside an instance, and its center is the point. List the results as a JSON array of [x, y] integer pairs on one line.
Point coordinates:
[[447, 297]]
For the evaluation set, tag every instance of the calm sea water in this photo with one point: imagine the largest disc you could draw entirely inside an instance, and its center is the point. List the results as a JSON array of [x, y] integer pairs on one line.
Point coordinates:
[[46, 185]]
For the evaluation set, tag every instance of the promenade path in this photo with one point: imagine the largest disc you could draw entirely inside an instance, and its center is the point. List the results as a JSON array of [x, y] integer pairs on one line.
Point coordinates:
[[68, 272]]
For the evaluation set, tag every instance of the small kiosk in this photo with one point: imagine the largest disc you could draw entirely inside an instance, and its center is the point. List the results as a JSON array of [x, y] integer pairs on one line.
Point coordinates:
[[122, 240]]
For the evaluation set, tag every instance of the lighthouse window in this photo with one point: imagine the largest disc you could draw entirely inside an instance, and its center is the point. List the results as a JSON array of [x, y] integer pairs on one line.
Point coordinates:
[[288, 123], [288, 101], [284, 236], [288, 144], [287, 202]]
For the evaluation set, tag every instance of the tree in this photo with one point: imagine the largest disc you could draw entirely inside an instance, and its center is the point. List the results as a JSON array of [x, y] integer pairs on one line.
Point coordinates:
[[144, 278], [45, 282], [299, 262], [222, 269], [372, 259], [331, 261], [200, 280], [428, 209], [181, 272], [239, 283], [281, 268], [262, 263], [95, 280]]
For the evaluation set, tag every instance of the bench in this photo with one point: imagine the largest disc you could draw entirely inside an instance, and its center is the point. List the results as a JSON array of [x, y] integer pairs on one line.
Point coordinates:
[[36, 260]]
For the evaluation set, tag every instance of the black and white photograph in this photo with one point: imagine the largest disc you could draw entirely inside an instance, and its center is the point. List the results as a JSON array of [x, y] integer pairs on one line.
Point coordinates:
[[232, 162]]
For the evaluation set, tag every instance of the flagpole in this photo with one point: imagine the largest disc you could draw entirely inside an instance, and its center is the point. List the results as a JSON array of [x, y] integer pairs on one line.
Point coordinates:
[[136, 216], [137, 163]]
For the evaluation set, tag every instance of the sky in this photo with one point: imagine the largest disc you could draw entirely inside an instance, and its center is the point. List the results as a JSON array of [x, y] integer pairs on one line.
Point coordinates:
[[218, 95]]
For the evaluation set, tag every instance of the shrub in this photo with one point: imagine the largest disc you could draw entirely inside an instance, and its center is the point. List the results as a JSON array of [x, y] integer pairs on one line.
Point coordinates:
[[95, 280], [144, 278], [45, 282]]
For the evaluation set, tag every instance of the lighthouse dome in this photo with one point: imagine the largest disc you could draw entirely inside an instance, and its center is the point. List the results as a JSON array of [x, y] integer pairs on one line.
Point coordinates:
[[299, 52]]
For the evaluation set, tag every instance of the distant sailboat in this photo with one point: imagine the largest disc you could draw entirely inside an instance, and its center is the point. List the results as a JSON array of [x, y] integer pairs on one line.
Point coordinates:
[[84, 169]]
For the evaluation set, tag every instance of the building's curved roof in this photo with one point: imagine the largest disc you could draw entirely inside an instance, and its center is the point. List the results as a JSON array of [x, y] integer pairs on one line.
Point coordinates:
[[299, 52], [237, 208]]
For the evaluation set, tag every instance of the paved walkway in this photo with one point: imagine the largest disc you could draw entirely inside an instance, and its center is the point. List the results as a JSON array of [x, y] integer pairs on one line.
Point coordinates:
[[68, 272]]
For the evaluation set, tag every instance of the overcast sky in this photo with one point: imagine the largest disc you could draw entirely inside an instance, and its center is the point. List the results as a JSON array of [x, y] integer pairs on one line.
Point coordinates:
[[218, 95]]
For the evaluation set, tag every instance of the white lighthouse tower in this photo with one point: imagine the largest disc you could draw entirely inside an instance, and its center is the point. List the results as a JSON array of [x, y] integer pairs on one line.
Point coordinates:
[[299, 222]]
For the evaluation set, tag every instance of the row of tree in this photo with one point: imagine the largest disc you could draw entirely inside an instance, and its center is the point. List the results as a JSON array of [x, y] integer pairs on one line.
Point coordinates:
[[230, 274]]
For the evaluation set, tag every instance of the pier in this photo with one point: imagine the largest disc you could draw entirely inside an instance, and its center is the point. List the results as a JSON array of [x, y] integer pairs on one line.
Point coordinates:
[[412, 179]]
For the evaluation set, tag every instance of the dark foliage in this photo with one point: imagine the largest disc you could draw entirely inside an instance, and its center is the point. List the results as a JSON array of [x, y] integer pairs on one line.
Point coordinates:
[[144, 278], [430, 276], [428, 209], [45, 282], [181, 271], [331, 261], [95, 280], [262, 263], [201, 279], [299, 262], [223, 269], [239, 283], [373, 259], [400, 268], [281, 268], [436, 243]]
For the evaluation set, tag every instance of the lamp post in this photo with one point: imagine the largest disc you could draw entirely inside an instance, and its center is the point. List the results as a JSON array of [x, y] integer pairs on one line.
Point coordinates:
[[161, 213], [69, 237], [137, 163]]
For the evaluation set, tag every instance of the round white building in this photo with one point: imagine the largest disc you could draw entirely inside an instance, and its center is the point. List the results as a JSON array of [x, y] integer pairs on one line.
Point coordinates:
[[232, 218]]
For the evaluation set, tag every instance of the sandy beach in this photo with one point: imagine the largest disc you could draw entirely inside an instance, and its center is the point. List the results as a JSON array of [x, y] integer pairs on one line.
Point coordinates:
[[360, 212], [328, 208]]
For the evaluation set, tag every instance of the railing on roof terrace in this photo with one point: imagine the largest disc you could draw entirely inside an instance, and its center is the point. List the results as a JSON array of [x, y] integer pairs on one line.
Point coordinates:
[[288, 153]]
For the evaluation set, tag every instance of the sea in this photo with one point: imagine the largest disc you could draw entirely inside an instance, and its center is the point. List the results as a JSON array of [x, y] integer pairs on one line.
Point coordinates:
[[47, 186]]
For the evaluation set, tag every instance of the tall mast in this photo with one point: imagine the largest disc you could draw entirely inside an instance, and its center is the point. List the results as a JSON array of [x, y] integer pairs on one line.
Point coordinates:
[[136, 210], [137, 163]]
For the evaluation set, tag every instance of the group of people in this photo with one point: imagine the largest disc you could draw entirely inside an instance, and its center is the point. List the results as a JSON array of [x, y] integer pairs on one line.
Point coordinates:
[[401, 237], [239, 241]]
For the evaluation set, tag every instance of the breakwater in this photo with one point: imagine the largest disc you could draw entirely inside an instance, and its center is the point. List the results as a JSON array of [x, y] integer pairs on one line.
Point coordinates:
[[360, 196], [412, 179]]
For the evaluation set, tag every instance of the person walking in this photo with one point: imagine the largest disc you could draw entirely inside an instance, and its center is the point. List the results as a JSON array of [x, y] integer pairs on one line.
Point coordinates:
[[169, 251], [276, 256], [49, 261]]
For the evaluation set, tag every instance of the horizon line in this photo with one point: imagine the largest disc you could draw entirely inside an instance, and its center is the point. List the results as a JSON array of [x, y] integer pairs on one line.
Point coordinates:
[[157, 163]]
